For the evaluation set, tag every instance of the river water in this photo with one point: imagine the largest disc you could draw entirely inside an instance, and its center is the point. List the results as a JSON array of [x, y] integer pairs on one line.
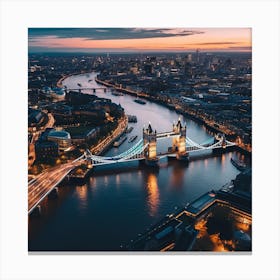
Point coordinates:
[[119, 202]]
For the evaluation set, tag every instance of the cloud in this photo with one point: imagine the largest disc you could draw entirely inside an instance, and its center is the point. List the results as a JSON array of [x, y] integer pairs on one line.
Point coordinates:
[[215, 43], [247, 48], [110, 33]]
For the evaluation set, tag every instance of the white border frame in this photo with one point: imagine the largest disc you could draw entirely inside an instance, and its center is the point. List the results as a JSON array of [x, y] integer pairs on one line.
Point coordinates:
[[17, 16]]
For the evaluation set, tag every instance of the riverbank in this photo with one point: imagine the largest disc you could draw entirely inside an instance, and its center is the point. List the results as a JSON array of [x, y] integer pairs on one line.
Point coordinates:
[[101, 148], [166, 105], [178, 231], [59, 82], [108, 141], [138, 196]]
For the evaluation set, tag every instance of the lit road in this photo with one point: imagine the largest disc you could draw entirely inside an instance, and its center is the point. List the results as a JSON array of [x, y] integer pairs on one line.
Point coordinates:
[[35, 136], [108, 140], [50, 122], [44, 183]]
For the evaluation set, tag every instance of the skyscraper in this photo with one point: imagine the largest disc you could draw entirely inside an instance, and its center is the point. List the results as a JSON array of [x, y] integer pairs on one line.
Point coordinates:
[[197, 56]]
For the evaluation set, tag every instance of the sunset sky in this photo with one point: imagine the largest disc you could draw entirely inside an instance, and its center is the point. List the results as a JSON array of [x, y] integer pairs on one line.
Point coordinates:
[[138, 39]]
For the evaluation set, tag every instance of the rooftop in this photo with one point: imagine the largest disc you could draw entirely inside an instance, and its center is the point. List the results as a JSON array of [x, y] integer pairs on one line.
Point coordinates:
[[59, 134]]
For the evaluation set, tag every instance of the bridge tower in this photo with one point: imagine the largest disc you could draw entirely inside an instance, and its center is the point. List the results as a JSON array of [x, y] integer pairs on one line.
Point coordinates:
[[221, 137], [88, 159], [150, 153], [179, 142]]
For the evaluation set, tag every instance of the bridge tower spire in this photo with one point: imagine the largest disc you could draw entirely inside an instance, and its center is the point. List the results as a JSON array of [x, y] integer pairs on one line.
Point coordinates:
[[150, 153], [220, 137], [179, 142]]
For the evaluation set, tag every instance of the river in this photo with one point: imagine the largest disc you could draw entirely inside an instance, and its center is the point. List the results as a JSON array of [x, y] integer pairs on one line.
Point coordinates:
[[119, 202]]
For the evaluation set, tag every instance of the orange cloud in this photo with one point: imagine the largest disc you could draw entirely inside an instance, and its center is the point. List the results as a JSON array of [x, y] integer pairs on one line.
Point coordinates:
[[215, 38]]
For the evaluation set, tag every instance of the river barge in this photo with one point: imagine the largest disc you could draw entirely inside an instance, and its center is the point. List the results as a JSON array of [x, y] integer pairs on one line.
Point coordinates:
[[238, 164], [129, 129], [140, 101], [132, 138], [119, 141]]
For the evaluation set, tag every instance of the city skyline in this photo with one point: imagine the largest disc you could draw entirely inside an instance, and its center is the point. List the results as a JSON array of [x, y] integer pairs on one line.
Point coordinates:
[[138, 131], [139, 39], [138, 128]]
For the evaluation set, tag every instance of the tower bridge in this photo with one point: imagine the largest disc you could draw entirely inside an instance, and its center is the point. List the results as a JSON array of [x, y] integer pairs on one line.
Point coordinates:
[[144, 150]]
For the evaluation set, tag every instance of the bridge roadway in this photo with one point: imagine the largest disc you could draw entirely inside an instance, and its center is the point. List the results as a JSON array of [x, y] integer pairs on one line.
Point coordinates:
[[44, 183], [87, 88], [167, 134]]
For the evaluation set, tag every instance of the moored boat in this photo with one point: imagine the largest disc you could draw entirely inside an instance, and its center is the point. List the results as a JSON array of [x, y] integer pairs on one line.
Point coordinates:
[[132, 119], [129, 129], [238, 164], [139, 101], [118, 142], [132, 138], [115, 93]]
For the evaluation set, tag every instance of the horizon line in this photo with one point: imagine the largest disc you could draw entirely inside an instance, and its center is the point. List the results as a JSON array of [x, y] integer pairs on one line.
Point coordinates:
[[132, 52]]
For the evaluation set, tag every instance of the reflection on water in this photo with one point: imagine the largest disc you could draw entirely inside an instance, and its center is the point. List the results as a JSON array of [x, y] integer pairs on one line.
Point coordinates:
[[177, 176], [82, 192], [118, 180], [82, 195], [106, 180], [92, 182], [223, 160], [205, 163], [123, 201], [153, 194]]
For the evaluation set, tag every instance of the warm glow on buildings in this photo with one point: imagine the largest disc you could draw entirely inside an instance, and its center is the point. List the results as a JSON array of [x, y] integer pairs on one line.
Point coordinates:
[[201, 227], [217, 242], [182, 145], [152, 150]]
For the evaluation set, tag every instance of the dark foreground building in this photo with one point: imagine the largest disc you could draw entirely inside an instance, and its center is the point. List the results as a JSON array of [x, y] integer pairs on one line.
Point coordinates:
[[216, 221]]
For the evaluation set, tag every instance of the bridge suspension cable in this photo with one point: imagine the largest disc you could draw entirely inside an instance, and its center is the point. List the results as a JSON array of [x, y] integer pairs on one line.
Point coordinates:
[[192, 143], [138, 148], [134, 152], [135, 147], [208, 141], [206, 147]]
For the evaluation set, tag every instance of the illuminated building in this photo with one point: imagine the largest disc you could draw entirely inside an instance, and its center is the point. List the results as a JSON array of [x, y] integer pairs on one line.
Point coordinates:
[[61, 137], [58, 94], [46, 150], [179, 142], [150, 138]]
